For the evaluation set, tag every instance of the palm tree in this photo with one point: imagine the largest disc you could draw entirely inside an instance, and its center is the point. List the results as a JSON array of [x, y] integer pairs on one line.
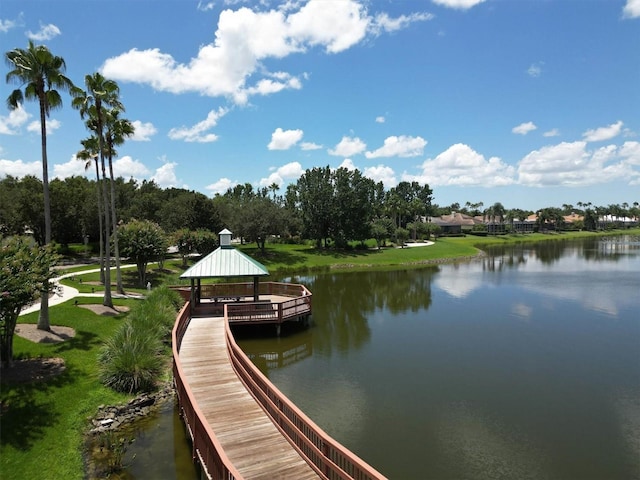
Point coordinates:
[[89, 153], [101, 94], [41, 74], [117, 129]]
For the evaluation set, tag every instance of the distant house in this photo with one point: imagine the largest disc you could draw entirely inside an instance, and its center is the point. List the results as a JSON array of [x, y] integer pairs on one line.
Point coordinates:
[[454, 223]]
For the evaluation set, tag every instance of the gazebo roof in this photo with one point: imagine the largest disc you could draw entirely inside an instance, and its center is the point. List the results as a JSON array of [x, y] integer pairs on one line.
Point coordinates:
[[226, 261]]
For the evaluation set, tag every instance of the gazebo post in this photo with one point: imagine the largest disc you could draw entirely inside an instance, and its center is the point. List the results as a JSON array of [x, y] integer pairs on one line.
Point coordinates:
[[192, 296], [256, 289]]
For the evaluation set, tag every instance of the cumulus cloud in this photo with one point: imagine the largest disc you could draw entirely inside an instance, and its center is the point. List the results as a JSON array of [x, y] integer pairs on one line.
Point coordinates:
[[233, 65], [10, 125], [571, 164], [310, 146], [380, 119], [631, 9], [290, 171], [458, 4], [383, 174], [46, 32], [402, 146], [524, 128], [603, 133], [554, 132], [348, 147], [143, 131], [348, 164], [221, 186], [460, 165], [52, 125], [74, 167], [284, 139], [198, 133], [6, 25], [165, 176], [19, 169], [127, 167]]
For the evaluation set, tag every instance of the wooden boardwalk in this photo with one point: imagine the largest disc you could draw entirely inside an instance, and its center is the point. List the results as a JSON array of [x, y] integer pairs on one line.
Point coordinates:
[[249, 438]]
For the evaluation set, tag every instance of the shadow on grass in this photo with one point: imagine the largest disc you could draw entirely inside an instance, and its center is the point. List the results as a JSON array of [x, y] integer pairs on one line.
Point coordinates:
[[82, 340], [28, 411]]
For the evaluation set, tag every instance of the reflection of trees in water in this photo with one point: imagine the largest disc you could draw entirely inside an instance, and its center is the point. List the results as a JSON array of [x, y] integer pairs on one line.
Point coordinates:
[[598, 249], [344, 302]]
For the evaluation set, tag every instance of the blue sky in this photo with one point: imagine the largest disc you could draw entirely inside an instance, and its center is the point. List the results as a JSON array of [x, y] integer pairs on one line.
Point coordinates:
[[532, 103]]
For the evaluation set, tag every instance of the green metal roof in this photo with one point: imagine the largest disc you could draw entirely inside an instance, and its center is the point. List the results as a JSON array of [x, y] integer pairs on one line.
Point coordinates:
[[226, 262]]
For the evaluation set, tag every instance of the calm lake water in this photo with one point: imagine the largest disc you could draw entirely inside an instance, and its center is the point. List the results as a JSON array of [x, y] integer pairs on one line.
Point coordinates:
[[521, 365]]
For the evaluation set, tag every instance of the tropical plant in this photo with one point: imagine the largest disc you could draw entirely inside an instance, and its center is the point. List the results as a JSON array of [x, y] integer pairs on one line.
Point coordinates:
[[41, 74]]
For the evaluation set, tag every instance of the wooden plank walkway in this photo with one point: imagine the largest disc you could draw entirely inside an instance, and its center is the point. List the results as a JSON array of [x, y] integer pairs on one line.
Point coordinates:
[[248, 436]]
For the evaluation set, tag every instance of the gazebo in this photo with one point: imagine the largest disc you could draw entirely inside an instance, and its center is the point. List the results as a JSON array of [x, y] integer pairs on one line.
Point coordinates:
[[224, 262]]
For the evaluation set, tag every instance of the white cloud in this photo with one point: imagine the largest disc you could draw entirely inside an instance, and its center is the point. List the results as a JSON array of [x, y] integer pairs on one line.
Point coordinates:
[[384, 23], [380, 119], [459, 4], [551, 133], [205, 6], [460, 165], [572, 165], [290, 171], [383, 174], [284, 139], [143, 131], [165, 176], [197, 133], [524, 128], [10, 124], [6, 25], [126, 167], [52, 126], [402, 146], [603, 133], [535, 69], [74, 167], [19, 169], [310, 146], [631, 9], [46, 32], [221, 186], [233, 65], [348, 164], [348, 147]]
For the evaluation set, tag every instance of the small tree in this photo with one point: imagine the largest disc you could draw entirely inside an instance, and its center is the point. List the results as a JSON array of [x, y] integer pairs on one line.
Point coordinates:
[[402, 235], [25, 272], [142, 241]]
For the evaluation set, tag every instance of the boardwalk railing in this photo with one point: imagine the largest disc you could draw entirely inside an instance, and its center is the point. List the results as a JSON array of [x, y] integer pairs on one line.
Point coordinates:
[[327, 457], [205, 445]]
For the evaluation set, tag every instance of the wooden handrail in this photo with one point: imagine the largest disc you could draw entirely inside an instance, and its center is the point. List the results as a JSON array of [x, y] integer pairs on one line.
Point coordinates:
[[205, 445], [328, 458]]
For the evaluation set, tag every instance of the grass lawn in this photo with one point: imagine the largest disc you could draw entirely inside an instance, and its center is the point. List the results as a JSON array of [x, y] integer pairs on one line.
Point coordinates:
[[42, 423]]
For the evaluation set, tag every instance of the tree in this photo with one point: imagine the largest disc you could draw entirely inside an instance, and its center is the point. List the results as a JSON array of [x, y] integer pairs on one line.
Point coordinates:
[[142, 241], [41, 74], [261, 218], [25, 271], [315, 196], [101, 94]]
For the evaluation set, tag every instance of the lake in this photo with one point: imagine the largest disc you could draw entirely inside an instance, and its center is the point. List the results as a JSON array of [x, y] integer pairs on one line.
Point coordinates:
[[522, 364]]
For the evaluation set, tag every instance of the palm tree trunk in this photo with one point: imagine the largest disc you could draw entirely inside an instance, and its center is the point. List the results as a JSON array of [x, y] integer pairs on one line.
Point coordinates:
[[107, 300], [100, 222], [119, 287], [43, 316]]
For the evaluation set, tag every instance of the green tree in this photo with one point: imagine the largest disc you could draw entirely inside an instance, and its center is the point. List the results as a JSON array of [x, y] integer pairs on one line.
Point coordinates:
[[261, 218], [26, 271], [315, 196], [41, 74], [142, 241]]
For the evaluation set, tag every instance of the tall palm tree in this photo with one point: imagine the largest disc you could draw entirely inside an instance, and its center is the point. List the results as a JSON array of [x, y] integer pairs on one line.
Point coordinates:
[[41, 74], [101, 94], [90, 153], [117, 129]]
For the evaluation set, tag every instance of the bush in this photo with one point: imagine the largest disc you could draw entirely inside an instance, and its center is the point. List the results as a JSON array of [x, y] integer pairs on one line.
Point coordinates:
[[133, 359]]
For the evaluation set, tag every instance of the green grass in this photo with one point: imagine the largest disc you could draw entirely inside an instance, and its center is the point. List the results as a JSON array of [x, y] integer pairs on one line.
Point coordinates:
[[43, 423]]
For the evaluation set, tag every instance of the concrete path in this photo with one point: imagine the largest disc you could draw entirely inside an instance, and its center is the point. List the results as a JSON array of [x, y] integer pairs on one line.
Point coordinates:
[[64, 293]]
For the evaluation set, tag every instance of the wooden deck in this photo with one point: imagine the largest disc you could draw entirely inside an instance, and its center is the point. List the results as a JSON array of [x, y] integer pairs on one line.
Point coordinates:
[[249, 438]]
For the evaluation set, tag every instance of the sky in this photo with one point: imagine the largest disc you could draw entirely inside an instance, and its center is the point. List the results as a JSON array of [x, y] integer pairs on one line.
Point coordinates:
[[531, 103]]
